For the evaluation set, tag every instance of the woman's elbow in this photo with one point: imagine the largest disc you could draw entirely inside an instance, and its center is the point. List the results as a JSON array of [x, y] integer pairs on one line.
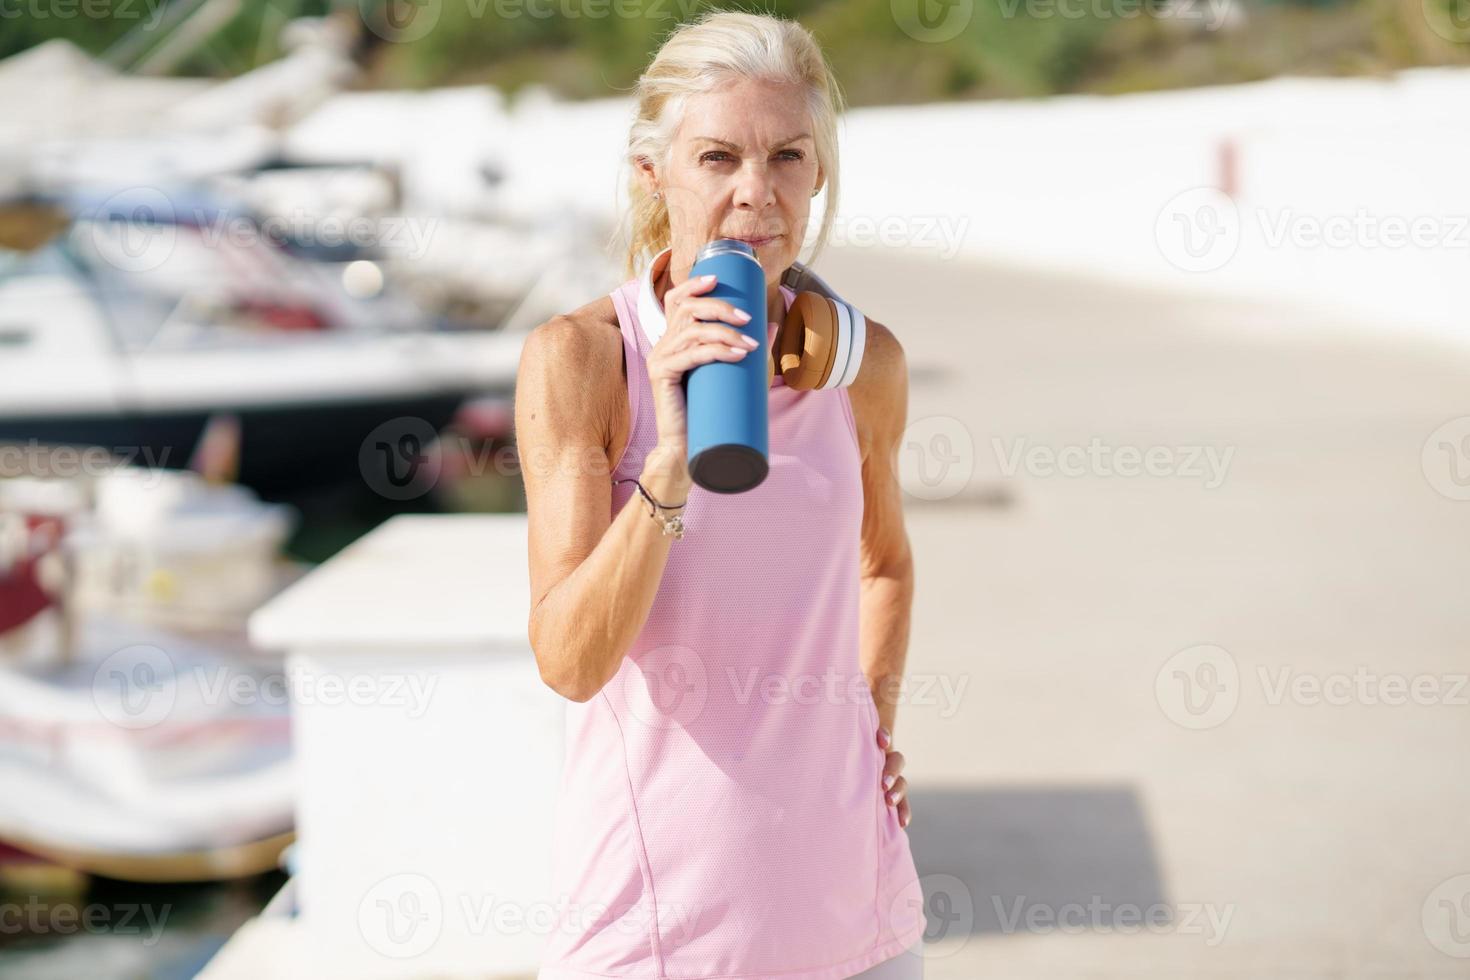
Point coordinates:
[[563, 674], [568, 687]]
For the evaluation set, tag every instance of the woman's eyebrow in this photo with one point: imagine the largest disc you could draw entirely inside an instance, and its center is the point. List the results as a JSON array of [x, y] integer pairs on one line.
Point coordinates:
[[737, 146]]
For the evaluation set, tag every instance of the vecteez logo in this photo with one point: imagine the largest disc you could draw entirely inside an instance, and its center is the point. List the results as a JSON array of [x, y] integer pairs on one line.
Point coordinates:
[[932, 21], [401, 916], [1445, 459], [1446, 917], [135, 687], [1450, 19], [134, 230], [1198, 230], [936, 458], [400, 459], [1198, 687], [400, 21]]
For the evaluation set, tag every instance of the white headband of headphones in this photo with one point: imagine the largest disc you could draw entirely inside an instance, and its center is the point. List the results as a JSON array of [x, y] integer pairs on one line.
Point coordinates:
[[853, 327]]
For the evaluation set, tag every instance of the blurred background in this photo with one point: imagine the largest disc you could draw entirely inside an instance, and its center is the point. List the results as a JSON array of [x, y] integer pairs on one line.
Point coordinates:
[[1181, 284]]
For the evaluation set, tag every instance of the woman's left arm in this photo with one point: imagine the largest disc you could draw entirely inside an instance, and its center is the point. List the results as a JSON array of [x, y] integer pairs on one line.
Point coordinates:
[[879, 398]]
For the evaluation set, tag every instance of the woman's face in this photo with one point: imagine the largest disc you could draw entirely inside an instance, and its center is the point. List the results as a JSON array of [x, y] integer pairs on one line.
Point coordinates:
[[743, 165]]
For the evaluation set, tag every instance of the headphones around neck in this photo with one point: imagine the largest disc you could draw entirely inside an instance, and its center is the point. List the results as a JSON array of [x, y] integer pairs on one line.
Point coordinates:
[[819, 343]]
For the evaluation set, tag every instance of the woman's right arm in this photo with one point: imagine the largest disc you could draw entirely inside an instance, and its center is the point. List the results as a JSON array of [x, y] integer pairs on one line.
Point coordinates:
[[594, 577]]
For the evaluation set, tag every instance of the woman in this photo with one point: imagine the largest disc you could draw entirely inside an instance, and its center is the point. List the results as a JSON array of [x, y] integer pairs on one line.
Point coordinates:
[[732, 804]]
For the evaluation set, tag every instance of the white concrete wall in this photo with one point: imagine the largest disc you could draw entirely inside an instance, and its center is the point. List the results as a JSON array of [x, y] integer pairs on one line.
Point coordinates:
[[428, 756], [1079, 183]]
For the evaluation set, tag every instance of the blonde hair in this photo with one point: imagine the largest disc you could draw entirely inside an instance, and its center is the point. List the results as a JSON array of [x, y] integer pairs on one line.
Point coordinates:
[[698, 57]]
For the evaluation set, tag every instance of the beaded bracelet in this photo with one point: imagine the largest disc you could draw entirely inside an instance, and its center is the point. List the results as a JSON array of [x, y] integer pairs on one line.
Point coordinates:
[[670, 525]]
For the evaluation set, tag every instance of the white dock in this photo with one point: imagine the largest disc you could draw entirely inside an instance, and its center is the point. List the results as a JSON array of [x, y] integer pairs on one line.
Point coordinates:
[[428, 751]]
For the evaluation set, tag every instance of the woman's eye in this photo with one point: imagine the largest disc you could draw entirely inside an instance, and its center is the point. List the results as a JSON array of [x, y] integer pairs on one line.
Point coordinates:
[[721, 155]]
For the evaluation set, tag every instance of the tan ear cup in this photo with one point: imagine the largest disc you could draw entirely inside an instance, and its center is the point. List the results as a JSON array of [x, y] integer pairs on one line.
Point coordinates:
[[806, 345]]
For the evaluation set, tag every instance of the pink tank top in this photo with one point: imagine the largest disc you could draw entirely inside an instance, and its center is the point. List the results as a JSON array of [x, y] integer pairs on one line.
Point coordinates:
[[721, 813]]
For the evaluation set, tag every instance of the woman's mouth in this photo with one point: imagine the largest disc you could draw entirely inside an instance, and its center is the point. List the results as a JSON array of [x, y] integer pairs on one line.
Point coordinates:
[[757, 242]]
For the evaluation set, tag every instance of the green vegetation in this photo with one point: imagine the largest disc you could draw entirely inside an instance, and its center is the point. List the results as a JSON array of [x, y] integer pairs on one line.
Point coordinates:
[[1006, 49]]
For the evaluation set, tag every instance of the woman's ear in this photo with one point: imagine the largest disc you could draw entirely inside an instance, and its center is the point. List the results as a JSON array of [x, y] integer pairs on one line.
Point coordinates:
[[647, 175]]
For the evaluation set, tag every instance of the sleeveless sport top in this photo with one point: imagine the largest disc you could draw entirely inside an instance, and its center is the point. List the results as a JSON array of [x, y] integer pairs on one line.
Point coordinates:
[[720, 811]]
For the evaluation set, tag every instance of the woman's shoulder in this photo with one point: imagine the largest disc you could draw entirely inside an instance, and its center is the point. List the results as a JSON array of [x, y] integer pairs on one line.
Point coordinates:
[[580, 341], [879, 393], [572, 372]]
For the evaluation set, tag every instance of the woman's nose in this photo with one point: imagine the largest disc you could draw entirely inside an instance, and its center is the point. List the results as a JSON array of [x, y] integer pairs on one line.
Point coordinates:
[[754, 188]]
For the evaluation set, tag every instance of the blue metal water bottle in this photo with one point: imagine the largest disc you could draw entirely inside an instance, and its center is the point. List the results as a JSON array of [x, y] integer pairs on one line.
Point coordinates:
[[726, 401]]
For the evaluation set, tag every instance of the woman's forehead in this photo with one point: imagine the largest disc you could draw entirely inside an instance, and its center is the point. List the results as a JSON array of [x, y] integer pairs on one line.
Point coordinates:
[[739, 114]]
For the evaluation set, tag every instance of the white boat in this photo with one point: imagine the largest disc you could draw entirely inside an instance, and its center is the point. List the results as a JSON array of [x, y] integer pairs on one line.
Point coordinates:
[[131, 337], [140, 736], [134, 761]]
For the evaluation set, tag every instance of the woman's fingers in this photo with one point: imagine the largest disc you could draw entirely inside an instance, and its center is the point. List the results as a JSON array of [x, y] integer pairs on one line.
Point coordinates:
[[895, 787], [687, 358], [692, 286], [898, 797], [898, 791], [709, 309], [714, 333]]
